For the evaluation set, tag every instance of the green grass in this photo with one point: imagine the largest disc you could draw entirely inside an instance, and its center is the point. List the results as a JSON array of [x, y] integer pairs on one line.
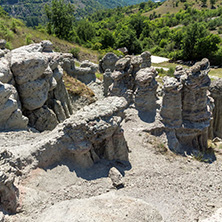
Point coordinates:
[[212, 73]]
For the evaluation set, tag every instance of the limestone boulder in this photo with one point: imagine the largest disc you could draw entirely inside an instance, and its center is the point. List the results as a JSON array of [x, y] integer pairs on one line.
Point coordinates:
[[5, 72], [11, 116]]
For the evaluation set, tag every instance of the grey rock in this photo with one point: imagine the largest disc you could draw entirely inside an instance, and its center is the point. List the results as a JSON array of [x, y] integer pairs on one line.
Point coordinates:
[[42, 119], [146, 59], [116, 177], [5, 72], [11, 117], [107, 207], [171, 109], [216, 94], [107, 81], [47, 46], [108, 62], [28, 66], [9, 193], [145, 93], [123, 64], [2, 43]]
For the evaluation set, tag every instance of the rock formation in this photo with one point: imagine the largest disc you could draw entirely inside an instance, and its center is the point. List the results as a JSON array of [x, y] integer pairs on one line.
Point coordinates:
[[107, 207], [171, 109], [32, 85], [91, 134], [11, 116], [145, 93], [85, 73], [184, 109], [108, 62], [216, 93]]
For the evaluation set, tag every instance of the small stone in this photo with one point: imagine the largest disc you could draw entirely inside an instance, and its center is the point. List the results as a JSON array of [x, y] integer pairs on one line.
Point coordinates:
[[116, 178]]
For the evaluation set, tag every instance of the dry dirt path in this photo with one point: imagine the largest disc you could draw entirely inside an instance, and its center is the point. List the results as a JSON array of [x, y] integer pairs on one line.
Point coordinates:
[[182, 189]]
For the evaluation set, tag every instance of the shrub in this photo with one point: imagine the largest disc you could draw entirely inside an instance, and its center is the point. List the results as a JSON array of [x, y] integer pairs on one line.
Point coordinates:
[[75, 52]]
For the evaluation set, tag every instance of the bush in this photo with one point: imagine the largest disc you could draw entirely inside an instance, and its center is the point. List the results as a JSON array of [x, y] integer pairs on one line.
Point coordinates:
[[28, 39], [75, 52]]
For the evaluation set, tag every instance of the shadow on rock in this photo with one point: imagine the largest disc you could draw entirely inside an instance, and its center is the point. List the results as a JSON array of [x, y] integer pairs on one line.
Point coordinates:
[[98, 170]]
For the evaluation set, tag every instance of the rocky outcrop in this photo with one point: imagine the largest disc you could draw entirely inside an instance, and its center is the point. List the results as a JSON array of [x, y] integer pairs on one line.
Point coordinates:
[[107, 81], [11, 117], [8, 191], [108, 62], [216, 94], [146, 59], [107, 207], [171, 109], [85, 73], [39, 91], [184, 110], [91, 134], [145, 93]]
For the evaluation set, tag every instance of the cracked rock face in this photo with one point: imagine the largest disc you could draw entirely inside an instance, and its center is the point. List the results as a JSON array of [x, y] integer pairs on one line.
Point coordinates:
[[108, 62], [171, 109], [145, 93], [11, 116], [216, 94]]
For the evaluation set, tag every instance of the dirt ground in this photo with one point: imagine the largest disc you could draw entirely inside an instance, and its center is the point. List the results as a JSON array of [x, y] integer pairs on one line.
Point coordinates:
[[182, 189]]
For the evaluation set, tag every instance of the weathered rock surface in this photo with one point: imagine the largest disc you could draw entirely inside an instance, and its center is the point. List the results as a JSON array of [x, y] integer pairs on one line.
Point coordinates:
[[8, 192], [116, 178], [85, 73], [184, 109], [171, 109], [145, 93], [11, 116], [108, 62], [146, 59], [40, 93], [107, 81], [107, 207], [216, 93], [216, 217]]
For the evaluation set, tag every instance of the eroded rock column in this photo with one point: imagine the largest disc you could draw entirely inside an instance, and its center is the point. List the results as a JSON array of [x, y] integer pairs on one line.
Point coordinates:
[[145, 93], [171, 110], [216, 93]]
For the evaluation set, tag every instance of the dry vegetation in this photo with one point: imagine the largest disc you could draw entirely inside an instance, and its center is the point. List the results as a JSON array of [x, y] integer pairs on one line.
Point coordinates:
[[77, 88]]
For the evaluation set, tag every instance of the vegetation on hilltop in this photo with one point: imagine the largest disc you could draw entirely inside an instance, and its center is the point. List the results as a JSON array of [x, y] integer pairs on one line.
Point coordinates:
[[189, 34], [32, 12]]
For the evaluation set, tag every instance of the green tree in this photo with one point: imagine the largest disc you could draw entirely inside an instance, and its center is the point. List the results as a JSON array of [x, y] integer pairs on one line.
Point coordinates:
[[198, 42], [85, 30], [126, 37], [60, 19]]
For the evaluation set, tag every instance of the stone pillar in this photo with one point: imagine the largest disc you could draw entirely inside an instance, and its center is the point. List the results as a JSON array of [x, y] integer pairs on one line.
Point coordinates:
[[146, 59], [216, 93], [107, 81], [171, 110], [145, 93], [196, 117]]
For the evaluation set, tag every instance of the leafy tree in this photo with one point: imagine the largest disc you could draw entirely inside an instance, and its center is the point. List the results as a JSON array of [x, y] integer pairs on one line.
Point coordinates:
[[107, 39], [126, 37], [198, 43], [60, 18], [85, 30]]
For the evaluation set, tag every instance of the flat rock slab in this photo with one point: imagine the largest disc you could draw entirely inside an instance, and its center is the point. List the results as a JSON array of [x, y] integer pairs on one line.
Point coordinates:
[[107, 207]]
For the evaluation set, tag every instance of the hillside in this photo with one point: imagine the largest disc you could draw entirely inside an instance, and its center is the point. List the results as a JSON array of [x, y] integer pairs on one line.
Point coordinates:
[[174, 6], [189, 34], [32, 12], [17, 34]]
